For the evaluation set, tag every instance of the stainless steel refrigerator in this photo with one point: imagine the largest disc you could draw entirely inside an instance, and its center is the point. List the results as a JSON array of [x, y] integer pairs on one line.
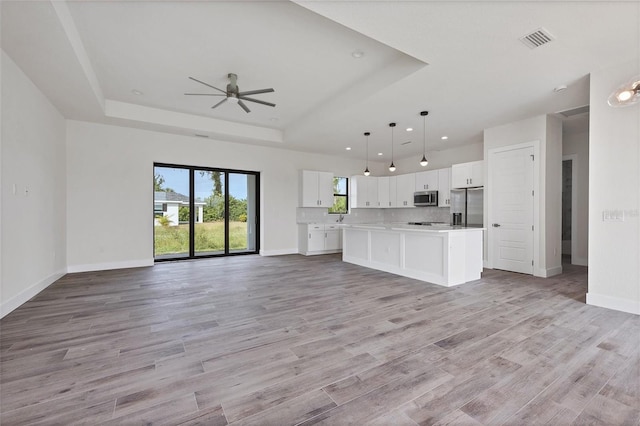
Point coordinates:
[[469, 204]]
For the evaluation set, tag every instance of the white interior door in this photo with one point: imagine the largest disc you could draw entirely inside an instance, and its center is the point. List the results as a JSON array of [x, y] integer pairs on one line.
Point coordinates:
[[511, 201]]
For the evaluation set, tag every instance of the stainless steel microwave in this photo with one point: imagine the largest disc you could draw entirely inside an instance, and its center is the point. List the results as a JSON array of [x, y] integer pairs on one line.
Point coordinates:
[[425, 198]]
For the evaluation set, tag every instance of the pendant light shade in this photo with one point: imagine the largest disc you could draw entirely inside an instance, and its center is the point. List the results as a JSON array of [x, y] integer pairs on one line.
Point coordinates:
[[424, 160], [366, 170], [392, 167]]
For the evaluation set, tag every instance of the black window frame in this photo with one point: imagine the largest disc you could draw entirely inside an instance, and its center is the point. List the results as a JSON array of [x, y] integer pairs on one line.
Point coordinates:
[[192, 212], [345, 195]]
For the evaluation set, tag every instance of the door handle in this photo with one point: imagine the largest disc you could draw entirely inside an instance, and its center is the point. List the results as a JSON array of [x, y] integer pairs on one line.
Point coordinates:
[[496, 225]]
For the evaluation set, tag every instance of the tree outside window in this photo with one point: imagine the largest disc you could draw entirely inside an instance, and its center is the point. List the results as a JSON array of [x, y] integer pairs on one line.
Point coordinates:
[[340, 196]]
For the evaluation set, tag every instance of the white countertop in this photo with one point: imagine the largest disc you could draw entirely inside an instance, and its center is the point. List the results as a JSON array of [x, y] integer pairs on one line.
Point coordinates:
[[411, 228]]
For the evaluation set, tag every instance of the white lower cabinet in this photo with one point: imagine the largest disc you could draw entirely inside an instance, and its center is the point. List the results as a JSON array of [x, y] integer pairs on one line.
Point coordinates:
[[319, 239]]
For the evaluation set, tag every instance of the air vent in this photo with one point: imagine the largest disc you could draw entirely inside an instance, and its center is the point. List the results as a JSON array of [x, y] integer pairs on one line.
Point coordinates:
[[575, 111], [537, 38]]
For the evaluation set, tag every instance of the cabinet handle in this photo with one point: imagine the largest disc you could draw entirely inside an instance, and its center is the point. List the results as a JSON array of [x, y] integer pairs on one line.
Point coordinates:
[[471, 181], [309, 235], [426, 187]]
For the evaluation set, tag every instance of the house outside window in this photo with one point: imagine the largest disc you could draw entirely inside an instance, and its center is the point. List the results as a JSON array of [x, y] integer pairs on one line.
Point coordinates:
[[340, 196]]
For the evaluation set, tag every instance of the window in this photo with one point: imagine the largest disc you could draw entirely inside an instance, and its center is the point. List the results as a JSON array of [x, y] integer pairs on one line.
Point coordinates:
[[159, 209], [340, 196], [201, 211]]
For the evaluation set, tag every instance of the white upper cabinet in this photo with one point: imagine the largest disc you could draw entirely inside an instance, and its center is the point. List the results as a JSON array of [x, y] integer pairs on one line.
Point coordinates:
[[467, 175], [406, 186], [393, 190], [427, 181], [316, 189], [383, 192], [444, 187], [364, 192]]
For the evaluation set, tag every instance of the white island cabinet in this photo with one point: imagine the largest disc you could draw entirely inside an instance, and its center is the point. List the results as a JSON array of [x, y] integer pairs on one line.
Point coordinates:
[[444, 255]]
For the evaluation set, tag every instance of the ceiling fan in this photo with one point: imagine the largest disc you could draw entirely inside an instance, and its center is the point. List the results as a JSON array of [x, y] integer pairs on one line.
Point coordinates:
[[233, 93]]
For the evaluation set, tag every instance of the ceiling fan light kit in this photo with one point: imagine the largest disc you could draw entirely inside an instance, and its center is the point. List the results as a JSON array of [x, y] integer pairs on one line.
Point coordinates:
[[233, 94], [627, 94]]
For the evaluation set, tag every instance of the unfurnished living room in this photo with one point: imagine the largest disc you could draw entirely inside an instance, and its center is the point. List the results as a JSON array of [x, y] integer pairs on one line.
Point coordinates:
[[306, 212]]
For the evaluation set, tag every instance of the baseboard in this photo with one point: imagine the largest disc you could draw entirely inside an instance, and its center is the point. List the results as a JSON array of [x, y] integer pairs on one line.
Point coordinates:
[[279, 252], [109, 265], [17, 300], [615, 303], [547, 272], [579, 261]]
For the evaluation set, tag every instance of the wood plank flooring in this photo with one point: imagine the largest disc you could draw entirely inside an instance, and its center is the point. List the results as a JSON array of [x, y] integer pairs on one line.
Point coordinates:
[[290, 340]]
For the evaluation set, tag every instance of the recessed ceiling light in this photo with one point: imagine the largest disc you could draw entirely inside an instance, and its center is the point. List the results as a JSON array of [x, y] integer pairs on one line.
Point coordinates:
[[444, 138], [409, 129], [357, 54], [273, 119], [379, 153], [348, 148], [136, 92], [560, 88]]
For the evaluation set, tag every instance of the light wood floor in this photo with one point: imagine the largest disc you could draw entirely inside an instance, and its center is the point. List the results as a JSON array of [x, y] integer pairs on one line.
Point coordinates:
[[311, 340]]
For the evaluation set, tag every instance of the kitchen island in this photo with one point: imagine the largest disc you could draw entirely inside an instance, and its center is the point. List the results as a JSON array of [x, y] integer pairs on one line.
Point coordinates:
[[443, 255]]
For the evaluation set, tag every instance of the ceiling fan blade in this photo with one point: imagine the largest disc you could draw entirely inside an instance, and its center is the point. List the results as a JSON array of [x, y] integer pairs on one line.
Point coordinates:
[[255, 92], [208, 85], [258, 101], [219, 103], [243, 106], [204, 94]]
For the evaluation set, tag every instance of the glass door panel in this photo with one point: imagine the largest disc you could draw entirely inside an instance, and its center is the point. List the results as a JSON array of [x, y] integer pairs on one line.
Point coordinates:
[[171, 212], [242, 212], [210, 206]]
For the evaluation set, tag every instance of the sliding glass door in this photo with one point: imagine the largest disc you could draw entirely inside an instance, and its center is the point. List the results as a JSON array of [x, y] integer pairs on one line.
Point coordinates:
[[216, 212]]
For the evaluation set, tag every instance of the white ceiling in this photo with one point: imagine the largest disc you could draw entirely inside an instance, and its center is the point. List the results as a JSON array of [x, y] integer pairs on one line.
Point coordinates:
[[461, 61]]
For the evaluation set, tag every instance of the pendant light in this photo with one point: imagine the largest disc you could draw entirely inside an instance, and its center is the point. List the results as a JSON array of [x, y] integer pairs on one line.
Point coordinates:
[[392, 167], [424, 160], [366, 170]]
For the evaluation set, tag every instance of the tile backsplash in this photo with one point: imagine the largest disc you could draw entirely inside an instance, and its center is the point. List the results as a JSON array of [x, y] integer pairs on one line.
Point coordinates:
[[417, 214]]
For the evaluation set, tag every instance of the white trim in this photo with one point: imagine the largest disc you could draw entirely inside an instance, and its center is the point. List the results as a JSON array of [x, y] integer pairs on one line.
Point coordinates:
[[615, 303], [580, 261], [20, 298], [546, 273], [278, 252], [110, 265]]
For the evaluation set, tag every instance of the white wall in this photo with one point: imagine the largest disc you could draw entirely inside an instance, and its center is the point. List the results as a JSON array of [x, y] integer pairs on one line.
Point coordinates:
[[614, 186], [547, 131], [437, 160], [110, 165], [577, 144], [33, 236]]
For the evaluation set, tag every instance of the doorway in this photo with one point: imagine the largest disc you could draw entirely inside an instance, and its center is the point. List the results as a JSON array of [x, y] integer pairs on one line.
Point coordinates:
[[569, 208], [203, 212]]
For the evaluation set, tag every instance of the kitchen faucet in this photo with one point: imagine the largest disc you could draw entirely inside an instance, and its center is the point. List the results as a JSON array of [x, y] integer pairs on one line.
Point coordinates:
[[340, 218]]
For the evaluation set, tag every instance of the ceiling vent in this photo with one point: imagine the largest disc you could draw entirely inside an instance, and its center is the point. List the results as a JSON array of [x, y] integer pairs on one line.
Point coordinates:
[[537, 38], [575, 111]]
